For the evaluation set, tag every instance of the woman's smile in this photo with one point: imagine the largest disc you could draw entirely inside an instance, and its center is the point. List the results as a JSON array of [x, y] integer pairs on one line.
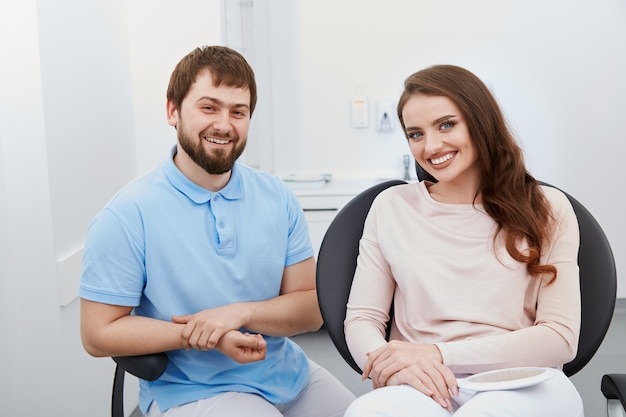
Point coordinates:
[[440, 160]]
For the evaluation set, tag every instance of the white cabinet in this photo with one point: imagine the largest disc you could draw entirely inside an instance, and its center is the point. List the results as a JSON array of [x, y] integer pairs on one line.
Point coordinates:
[[319, 212], [321, 205]]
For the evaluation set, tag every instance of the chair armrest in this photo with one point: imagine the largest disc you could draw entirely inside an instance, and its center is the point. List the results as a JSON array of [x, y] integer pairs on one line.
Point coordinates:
[[148, 367], [614, 387]]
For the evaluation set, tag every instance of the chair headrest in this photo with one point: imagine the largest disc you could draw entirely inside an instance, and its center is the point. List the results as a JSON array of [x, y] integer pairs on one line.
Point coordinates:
[[422, 174]]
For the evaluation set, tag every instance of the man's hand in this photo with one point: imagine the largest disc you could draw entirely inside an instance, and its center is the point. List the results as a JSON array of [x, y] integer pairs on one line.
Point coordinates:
[[242, 347], [420, 366], [204, 330]]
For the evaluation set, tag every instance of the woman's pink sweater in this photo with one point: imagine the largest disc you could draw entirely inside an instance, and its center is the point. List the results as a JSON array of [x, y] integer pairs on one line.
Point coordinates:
[[451, 286]]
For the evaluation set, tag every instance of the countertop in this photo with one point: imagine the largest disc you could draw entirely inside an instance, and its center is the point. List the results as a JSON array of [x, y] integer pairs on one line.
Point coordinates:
[[337, 186]]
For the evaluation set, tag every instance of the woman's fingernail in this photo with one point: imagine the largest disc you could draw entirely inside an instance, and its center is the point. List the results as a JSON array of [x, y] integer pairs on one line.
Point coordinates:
[[443, 403]]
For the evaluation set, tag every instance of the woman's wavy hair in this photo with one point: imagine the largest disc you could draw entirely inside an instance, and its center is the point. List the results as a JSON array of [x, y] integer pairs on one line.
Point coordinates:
[[226, 65], [510, 195]]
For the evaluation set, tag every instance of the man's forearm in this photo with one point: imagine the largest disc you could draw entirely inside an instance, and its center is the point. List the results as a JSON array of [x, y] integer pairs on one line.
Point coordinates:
[[133, 335], [286, 315]]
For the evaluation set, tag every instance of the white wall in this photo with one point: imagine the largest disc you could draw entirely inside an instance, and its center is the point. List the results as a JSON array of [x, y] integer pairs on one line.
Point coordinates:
[[68, 120], [557, 68], [160, 33], [65, 118], [23, 192]]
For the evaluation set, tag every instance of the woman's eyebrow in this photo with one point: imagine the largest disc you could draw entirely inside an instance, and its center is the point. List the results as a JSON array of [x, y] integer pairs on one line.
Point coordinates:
[[443, 118]]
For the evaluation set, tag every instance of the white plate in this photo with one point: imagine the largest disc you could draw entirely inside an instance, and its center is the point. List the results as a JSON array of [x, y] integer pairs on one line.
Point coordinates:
[[505, 379]]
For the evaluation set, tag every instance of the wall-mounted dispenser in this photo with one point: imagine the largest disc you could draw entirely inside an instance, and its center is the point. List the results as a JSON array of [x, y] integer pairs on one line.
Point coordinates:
[[359, 108], [384, 115]]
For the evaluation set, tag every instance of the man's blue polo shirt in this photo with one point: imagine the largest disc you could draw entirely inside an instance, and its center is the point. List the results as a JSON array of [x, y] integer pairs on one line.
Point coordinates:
[[167, 246]]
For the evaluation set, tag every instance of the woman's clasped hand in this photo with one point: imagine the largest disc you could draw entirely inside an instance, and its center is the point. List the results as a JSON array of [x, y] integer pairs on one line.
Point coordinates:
[[417, 365]]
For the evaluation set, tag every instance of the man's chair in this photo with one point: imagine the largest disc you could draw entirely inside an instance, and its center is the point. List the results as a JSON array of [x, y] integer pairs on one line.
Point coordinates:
[[337, 262], [148, 367]]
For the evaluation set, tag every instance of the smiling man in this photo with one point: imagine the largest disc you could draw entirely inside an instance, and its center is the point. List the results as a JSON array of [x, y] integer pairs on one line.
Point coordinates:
[[210, 261]]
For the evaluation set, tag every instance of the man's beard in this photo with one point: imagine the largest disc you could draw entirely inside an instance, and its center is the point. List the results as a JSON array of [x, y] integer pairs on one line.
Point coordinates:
[[215, 163]]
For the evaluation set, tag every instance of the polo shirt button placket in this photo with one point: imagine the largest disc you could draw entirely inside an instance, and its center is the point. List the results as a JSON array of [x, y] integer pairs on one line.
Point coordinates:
[[225, 232]]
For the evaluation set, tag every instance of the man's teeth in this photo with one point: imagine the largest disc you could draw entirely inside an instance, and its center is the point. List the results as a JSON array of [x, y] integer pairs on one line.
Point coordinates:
[[218, 141], [441, 160]]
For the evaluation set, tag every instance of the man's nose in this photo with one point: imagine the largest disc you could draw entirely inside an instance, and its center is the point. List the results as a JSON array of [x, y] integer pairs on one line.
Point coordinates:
[[222, 122]]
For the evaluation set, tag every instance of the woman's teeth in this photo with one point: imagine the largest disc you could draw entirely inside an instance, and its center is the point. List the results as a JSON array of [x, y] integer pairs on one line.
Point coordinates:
[[441, 160]]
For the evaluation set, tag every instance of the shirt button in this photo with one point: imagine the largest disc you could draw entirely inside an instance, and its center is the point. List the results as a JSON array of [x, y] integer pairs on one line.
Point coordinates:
[[221, 225]]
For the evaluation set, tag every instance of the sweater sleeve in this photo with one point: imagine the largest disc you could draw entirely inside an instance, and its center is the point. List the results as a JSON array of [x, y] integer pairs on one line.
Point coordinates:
[[370, 296], [553, 339]]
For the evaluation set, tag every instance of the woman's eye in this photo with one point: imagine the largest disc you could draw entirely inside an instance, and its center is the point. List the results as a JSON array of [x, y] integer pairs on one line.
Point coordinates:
[[447, 125], [414, 135]]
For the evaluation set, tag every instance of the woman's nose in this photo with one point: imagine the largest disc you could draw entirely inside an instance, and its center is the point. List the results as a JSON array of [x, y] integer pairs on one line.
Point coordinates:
[[433, 144]]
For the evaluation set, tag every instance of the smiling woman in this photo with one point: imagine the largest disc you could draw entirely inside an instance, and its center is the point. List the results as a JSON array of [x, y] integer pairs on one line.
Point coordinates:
[[514, 246], [438, 142]]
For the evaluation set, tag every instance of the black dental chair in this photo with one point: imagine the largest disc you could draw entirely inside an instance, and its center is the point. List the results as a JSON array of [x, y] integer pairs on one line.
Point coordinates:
[[598, 279]]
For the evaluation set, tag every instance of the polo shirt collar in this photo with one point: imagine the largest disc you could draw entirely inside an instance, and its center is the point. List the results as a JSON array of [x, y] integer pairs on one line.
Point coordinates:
[[233, 190]]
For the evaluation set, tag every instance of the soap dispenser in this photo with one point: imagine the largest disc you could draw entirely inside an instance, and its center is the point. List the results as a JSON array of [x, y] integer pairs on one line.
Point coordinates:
[[384, 113], [407, 165]]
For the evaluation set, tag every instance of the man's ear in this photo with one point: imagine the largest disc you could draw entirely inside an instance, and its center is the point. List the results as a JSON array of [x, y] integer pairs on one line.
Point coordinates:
[[172, 113]]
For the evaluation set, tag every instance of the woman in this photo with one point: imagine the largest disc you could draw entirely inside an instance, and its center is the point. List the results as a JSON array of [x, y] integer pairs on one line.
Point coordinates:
[[480, 266]]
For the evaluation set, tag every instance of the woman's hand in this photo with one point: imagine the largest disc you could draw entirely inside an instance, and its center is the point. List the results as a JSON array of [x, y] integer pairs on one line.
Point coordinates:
[[418, 365]]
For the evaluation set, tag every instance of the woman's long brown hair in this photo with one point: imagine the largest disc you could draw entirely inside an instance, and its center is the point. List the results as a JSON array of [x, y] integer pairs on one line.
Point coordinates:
[[510, 195]]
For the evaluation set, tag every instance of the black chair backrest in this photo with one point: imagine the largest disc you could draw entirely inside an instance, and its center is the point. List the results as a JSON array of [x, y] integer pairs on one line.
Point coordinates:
[[422, 174], [337, 262], [149, 367], [598, 285]]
